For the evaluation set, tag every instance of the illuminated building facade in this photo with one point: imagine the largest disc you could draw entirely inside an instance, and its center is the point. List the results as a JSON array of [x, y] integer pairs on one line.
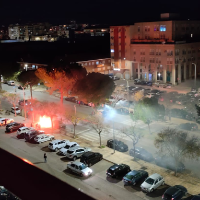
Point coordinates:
[[161, 50]]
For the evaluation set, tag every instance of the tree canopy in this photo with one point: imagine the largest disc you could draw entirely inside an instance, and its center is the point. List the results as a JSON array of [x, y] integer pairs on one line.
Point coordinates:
[[95, 87], [178, 145]]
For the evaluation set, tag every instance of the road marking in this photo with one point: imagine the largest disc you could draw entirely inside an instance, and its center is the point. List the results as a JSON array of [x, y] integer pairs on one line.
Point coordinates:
[[83, 131]]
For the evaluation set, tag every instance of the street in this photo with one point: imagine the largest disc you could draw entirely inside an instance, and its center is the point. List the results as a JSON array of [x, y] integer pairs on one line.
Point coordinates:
[[98, 185]]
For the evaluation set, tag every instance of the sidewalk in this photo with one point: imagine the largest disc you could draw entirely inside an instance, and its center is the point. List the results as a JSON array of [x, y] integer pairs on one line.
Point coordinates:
[[191, 183]]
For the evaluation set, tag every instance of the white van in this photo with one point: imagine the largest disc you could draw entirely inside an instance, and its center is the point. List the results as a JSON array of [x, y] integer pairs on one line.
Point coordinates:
[[43, 138], [11, 83]]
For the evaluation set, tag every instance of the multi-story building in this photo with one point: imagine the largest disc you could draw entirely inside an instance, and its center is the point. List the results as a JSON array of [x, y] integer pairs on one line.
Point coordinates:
[[162, 50]]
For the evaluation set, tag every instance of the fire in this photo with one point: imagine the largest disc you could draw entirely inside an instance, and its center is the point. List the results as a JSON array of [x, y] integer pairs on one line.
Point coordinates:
[[45, 122]]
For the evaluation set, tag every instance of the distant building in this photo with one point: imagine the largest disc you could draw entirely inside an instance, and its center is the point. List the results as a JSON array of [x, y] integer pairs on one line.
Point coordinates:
[[96, 30], [161, 50]]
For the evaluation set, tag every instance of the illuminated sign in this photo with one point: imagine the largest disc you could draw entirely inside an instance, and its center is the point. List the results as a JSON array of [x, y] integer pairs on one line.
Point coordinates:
[[116, 69]]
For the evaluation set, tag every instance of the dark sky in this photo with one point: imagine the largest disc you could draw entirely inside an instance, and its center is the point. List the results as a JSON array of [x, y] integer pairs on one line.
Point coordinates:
[[94, 11]]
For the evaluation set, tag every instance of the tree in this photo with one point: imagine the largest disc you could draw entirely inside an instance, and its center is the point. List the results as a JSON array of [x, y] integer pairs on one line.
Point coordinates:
[[133, 135], [12, 98], [139, 95], [97, 123], [56, 80], [28, 78], [95, 87], [178, 145], [74, 119]]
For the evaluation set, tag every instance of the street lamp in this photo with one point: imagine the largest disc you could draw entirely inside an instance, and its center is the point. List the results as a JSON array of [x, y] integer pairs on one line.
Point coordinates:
[[26, 66], [195, 74]]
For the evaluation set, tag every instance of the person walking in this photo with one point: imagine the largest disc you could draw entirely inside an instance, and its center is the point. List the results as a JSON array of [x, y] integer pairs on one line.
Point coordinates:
[[45, 157]]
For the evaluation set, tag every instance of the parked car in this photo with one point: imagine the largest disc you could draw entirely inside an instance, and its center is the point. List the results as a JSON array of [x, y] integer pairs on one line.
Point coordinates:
[[91, 158], [71, 99], [21, 88], [21, 131], [175, 192], [5, 121], [43, 138], [194, 90], [169, 163], [11, 83], [30, 135], [152, 182], [196, 197], [76, 152], [150, 95], [118, 145], [63, 151], [188, 126], [14, 126], [115, 78], [27, 102], [118, 170], [15, 110], [141, 154], [79, 168], [57, 144], [134, 177]]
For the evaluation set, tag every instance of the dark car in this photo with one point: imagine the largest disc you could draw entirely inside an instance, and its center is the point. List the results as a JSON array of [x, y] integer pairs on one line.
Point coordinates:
[[189, 126], [141, 154], [118, 170], [134, 177], [71, 99], [196, 197], [21, 88], [91, 158], [30, 135], [175, 192], [27, 102], [14, 126], [169, 163], [119, 145]]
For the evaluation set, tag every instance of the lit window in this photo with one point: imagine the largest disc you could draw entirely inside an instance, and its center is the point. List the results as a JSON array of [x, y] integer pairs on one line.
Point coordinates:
[[33, 66], [86, 64], [112, 51], [162, 27], [97, 62], [191, 35], [89, 63]]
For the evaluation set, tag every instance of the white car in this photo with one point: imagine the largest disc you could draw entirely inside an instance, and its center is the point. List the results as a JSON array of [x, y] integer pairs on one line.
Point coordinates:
[[79, 168], [43, 138], [21, 131], [76, 152], [4, 121], [15, 109], [63, 151], [152, 182], [57, 144], [11, 83]]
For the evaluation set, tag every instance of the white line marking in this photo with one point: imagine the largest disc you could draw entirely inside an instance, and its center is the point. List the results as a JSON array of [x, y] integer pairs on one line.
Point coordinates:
[[83, 131]]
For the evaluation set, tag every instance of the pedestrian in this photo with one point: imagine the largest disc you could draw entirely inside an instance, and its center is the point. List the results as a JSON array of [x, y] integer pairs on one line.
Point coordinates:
[[45, 157], [79, 103]]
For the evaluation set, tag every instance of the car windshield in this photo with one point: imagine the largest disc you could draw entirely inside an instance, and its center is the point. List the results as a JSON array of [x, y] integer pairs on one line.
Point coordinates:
[[82, 166], [129, 176], [70, 152], [150, 181], [50, 144], [67, 147]]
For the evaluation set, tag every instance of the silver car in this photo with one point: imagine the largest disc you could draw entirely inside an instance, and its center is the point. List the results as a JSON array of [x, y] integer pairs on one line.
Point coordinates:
[[76, 152], [79, 168], [152, 182], [63, 151]]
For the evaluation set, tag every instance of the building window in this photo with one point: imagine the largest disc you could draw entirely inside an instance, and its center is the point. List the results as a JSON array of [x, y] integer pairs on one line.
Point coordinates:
[[140, 70], [89, 63], [145, 28], [162, 27], [108, 61], [138, 28], [92, 63], [112, 51], [33, 66], [97, 62], [85, 64], [136, 70]]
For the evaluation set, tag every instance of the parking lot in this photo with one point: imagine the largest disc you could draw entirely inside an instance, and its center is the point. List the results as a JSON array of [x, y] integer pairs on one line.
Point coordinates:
[[97, 185]]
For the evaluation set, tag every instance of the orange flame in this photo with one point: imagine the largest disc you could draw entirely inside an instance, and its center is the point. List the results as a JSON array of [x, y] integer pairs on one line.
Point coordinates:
[[45, 122]]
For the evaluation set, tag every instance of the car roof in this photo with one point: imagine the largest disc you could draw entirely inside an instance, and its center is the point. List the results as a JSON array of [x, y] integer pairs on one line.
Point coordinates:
[[77, 163], [172, 190], [71, 143], [41, 135], [55, 141], [155, 176], [134, 172], [24, 127], [75, 148]]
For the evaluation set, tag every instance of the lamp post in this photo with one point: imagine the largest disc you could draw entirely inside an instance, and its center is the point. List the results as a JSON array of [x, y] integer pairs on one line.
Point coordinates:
[[195, 74]]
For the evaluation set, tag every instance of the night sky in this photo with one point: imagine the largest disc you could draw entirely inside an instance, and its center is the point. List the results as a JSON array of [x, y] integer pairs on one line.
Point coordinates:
[[94, 11]]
